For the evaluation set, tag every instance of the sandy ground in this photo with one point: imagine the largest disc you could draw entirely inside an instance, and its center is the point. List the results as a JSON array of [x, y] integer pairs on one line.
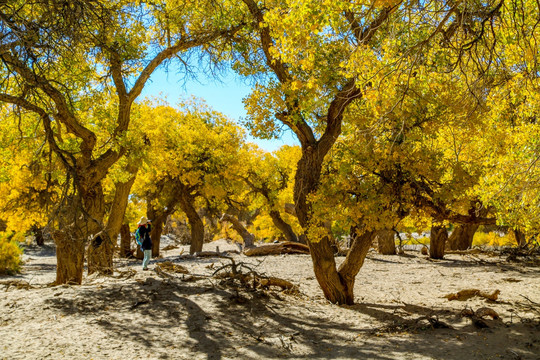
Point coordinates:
[[139, 314]]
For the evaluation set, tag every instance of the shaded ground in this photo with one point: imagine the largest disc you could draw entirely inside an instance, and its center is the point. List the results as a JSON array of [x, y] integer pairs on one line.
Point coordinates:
[[141, 314]]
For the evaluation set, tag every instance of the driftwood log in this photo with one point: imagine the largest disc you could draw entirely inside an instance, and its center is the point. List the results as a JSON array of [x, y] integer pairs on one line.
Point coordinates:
[[278, 249], [469, 293]]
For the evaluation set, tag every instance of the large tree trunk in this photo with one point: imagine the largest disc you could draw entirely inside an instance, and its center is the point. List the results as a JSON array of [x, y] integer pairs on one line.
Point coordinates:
[[520, 238], [437, 241], [38, 234], [101, 248], [70, 258], [125, 241], [283, 226], [187, 203], [385, 242], [337, 286], [119, 204], [353, 263], [248, 237], [100, 254], [462, 237], [158, 220]]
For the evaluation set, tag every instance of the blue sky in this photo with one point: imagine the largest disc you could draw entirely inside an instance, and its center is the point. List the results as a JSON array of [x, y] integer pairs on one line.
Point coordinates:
[[224, 96]]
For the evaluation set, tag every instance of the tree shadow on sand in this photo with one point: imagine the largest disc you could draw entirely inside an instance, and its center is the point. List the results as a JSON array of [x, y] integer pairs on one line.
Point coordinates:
[[229, 322]]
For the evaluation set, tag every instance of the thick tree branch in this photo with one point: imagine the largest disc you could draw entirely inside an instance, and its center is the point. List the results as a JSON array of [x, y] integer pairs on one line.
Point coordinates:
[[64, 113]]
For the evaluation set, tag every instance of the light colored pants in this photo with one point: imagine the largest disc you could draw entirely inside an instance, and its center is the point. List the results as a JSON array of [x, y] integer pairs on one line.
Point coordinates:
[[147, 257]]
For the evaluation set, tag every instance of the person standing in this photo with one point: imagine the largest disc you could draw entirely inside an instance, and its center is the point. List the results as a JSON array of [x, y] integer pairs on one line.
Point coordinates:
[[142, 236]]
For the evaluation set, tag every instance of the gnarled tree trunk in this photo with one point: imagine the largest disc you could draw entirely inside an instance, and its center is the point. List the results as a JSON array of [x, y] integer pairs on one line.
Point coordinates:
[[353, 263], [100, 248], [125, 241], [38, 234], [119, 204], [337, 285], [283, 226], [187, 203], [70, 258], [462, 237], [385, 242], [100, 254], [520, 238], [158, 220], [248, 237], [437, 241]]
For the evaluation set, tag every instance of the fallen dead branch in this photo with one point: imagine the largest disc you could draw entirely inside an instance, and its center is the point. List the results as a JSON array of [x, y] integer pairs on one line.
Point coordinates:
[[250, 278], [278, 249], [125, 274], [470, 293], [477, 317], [171, 267], [19, 284]]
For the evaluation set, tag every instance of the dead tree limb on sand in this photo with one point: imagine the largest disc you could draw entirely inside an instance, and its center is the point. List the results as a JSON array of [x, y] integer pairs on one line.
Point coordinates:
[[250, 278], [469, 293], [278, 249]]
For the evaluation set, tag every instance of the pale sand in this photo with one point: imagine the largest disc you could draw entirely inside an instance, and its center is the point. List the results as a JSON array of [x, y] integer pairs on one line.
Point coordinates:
[[150, 317]]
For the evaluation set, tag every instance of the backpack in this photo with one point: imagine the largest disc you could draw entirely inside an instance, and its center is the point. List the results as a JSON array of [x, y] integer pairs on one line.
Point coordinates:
[[138, 237]]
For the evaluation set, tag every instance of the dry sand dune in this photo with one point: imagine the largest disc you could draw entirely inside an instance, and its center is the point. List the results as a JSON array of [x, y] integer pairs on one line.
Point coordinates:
[[400, 311]]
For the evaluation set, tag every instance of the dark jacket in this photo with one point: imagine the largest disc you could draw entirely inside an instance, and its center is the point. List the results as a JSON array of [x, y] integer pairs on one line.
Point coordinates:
[[144, 236]]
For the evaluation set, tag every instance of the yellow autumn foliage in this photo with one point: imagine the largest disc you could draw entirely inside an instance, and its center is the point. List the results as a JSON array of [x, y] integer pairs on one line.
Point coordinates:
[[10, 253]]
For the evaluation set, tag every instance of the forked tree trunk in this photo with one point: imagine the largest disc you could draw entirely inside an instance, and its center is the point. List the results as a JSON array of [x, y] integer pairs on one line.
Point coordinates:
[[385, 242], [100, 254], [187, 203], [437, 242], [70, 258], [462, 237], [248, 237], [283, 226], [353, 263], [125, 241]]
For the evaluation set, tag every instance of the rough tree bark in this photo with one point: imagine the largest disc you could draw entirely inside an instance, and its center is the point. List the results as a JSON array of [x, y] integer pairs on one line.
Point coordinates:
[[520, 238], [70, 258], [248, 237], [437, 242], [119, 204], [187, 203], [100, 254], [38, 234], [125, 241], [462, 237], [283, 226], [386, 244], [100, 248], [353, 263]]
